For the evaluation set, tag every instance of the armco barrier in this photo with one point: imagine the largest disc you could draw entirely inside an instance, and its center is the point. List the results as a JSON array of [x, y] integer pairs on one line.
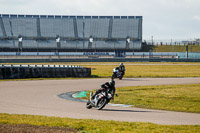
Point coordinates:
[[42, 71]]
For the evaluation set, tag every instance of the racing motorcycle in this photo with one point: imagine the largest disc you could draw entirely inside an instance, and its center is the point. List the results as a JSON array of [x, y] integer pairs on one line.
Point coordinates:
[[117, 73], [99, 101]]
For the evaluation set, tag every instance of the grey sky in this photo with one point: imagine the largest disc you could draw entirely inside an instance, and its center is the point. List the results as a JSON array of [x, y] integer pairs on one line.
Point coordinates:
[[162, 19]]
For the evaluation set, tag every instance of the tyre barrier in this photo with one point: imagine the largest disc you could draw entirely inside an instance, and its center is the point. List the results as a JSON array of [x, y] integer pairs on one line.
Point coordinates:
[[42, 71]]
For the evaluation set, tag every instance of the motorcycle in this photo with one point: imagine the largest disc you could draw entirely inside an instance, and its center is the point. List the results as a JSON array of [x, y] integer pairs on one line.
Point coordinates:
[[117, 73], [99, 101]]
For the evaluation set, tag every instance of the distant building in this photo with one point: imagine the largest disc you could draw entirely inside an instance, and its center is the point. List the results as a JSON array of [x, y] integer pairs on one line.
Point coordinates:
[[76, 33]]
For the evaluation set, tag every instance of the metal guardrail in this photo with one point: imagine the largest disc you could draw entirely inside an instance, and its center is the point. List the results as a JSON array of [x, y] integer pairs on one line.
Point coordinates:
[[49, 55]]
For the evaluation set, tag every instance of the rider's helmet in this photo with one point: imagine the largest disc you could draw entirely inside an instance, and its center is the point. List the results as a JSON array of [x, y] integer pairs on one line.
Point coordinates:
[[112, 83], [121, 64]]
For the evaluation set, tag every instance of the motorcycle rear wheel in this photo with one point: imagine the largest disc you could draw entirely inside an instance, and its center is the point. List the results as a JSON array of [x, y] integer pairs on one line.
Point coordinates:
[[88, 105]]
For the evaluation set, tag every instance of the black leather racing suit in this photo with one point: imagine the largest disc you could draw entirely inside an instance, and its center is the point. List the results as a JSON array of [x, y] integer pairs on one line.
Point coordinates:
[[107, 88], [122, 69]]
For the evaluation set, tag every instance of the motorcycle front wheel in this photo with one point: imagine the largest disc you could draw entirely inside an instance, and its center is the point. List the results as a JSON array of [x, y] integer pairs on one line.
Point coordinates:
[[113, 76], [120, 78], [101, 103]]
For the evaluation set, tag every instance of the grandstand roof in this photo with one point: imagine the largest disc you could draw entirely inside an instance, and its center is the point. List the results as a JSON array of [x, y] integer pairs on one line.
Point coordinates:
[[67, 16]]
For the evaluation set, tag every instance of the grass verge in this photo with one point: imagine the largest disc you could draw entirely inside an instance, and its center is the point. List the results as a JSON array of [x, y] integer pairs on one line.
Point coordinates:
[[137, 70], [149, 70], [96, 126], [176, 48], [184, 98]]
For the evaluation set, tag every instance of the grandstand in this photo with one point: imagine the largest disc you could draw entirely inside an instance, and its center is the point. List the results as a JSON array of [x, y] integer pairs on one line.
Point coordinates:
[[51, 33]]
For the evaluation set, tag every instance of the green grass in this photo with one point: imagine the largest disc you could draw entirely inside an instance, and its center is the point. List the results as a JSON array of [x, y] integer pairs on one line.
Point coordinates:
[[137, 70], [149, 70], [185, 98], [176, 48], [97, 126]]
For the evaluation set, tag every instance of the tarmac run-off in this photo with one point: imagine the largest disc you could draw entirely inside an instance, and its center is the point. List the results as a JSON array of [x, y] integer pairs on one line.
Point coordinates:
[[40, 97]]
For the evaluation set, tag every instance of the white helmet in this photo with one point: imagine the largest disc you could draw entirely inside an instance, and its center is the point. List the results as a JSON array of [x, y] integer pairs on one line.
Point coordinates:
[[121, 64]]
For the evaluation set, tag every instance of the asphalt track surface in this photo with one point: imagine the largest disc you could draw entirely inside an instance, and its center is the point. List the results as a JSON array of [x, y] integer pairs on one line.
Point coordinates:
[[40, 97]]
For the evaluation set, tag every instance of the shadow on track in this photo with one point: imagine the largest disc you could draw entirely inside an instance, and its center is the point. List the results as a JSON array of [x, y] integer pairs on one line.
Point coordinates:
[[123, 110], [133, 79]]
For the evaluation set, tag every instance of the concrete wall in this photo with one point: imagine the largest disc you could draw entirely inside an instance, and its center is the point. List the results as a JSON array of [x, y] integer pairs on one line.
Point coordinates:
[[42, 71]]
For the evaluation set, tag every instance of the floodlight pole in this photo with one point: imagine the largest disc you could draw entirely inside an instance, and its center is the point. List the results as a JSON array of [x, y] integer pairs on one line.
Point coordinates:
[[187, 51], [91, 39], [152, 39], [58, 44], [20, 43], [127, 42]]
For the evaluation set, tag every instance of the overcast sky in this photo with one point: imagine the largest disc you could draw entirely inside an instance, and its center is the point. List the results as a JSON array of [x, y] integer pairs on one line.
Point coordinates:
[[162, 19]]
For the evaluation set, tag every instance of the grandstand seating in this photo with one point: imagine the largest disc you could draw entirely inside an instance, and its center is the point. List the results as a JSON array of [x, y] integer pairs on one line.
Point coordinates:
[[123, 28], [7, 43], [98, 28], [40, 31], [52, 27], [29, 44], [24, 27]]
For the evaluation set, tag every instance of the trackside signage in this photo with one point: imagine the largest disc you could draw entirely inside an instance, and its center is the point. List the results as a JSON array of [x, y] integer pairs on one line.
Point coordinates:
[[95, 53]]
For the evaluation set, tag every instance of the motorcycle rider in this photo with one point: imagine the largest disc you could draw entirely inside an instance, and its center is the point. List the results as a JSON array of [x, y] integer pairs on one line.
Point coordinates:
[[122, 68], [108, 87]]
